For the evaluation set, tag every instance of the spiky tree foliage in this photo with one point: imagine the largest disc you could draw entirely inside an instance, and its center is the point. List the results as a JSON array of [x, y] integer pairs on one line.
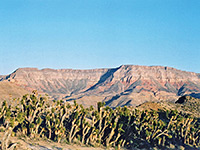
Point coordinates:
[[32, 107], [119, 127], [11, 119], [73, 122]]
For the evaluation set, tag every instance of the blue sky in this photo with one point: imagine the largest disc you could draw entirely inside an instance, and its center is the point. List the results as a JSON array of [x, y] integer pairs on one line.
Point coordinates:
[[84, 34]]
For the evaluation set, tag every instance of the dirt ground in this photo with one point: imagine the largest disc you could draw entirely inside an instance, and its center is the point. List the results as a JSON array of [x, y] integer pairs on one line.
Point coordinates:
[[40, 144]]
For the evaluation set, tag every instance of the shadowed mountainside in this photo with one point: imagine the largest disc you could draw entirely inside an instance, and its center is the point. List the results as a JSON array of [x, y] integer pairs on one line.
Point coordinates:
[[124, 85]]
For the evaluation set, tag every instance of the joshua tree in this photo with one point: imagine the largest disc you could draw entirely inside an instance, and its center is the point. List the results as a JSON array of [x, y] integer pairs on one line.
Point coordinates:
[[12, 119], [119, 127]]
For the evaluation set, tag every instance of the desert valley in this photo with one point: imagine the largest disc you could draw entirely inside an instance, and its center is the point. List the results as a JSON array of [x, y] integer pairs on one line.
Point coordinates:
[[127, 107]]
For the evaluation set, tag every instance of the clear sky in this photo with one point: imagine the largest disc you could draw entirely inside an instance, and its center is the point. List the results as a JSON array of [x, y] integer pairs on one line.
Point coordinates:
[[84, 34]]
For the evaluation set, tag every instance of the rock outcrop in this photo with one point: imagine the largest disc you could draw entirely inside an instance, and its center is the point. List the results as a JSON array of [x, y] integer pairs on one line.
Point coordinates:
[[124, 85]]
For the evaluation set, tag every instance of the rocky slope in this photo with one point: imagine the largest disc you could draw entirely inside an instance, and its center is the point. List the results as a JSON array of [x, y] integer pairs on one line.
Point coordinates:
[[185, 104], [8, 91], [124, 85]]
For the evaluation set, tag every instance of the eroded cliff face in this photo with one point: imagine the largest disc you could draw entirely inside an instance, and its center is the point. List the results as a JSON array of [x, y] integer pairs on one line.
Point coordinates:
[[55, 82], [125, 85]]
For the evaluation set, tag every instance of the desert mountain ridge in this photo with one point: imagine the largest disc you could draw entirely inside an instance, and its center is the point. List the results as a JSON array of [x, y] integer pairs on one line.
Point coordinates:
[[124, 85]]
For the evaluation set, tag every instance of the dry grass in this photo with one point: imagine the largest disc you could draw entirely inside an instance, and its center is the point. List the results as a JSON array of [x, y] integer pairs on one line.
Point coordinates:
[[150, 106]]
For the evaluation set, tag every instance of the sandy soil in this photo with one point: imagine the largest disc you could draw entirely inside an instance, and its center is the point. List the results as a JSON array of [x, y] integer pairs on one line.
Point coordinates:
[[40, 144]]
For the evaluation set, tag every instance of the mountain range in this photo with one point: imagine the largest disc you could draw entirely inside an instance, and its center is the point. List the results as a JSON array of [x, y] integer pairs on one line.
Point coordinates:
[[125, 85]]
